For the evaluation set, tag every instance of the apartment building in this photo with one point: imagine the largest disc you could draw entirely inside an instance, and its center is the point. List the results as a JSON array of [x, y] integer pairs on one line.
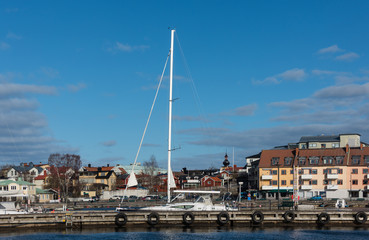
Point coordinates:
[[321, 167]]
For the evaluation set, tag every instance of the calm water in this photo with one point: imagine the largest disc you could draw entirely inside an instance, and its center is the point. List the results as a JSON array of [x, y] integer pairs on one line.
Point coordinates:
[[193, 233]]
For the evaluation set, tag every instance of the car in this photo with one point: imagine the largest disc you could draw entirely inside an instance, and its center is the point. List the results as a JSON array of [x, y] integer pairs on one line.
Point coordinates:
[[316, 198]]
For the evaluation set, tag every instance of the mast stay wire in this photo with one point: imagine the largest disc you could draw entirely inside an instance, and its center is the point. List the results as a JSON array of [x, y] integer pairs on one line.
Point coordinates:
[[152, 107], [196, 96]]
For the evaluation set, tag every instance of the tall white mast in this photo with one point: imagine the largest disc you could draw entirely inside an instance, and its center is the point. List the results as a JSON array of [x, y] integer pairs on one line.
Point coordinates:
[[170, 115]]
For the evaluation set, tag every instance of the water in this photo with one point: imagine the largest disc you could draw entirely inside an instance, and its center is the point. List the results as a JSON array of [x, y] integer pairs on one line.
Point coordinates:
[[180, 233]]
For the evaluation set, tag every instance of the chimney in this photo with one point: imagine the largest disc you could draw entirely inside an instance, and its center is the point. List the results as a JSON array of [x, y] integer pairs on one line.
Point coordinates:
[[89, 165], [347, 148], [107, 165], [361, 146], [99, 169]]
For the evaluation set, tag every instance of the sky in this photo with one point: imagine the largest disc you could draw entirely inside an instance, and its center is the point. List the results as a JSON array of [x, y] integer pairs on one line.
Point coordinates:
[[79, 77]]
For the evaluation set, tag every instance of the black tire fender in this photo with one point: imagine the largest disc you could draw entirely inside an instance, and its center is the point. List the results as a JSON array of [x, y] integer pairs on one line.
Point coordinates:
[[323, 218], [188, 218], [289, 216], [153, 218], [121, 219], [223, 218], [257, 217], [360, 217]]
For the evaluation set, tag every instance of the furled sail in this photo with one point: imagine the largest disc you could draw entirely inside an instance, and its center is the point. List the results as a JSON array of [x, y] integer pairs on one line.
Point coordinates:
[[132, 180], [171, 183]]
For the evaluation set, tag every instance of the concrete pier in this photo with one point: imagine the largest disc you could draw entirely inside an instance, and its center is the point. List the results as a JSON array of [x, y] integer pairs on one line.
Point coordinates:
[[78, 219]]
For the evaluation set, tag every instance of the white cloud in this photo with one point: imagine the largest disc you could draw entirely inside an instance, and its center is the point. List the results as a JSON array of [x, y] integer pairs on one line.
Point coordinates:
[[246, 110], [11, 35], [50, 72], [4, 46], [295, 74], [331, 49], [123, 47], [348, 57], [109, 143], [77, 87], [8, 89]]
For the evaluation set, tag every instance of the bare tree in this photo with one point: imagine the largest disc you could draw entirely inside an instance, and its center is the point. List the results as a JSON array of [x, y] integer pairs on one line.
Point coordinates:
[[63, 169], [150, 173]]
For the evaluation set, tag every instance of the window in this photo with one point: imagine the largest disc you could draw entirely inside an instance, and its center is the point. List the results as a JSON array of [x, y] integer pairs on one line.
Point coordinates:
[[354, 171], [356, 159], [335, 145], [339, 171], [291, 182], [291, 172], [303, 146], [325, 171], [314, 171], [274, 182], [287, 161], [275, 161], [325, 182], [365, 171], [1, 188], [302, 160], [314, 160], [274, 172], [284, 172], [284, 182], [328, 160], [301, 171], [324, 145], [6, 188], [339, 182], [365, 181], [209, 182], [355, 182], [366, 159], [311, 145], [339, 160], [314, 182], [13, 188]]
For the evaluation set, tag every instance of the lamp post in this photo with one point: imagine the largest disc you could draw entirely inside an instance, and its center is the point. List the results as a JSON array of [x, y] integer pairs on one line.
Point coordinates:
[[278, 185], [239, 192]]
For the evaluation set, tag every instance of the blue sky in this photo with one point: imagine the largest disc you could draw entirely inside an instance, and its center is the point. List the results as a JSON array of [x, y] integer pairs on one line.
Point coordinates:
[[80, 76]]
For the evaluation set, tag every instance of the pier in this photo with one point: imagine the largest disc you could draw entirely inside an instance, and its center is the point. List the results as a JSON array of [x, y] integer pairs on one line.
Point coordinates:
[[78, 219]]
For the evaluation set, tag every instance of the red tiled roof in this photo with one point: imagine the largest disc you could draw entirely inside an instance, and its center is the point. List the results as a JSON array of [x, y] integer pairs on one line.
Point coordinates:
[[267, 155]]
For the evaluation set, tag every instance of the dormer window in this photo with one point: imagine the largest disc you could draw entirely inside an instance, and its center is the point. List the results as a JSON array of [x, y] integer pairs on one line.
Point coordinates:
[[328, 160], [302, 160], [314, 160], [287, 161], [356, 159], [339, 160], [275, 161]]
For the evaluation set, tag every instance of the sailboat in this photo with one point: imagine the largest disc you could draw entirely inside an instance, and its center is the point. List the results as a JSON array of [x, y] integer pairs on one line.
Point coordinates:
[[204, 201]]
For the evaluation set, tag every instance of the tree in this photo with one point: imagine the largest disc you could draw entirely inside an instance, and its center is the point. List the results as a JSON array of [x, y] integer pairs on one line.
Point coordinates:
[[63, 168], [150, 173]]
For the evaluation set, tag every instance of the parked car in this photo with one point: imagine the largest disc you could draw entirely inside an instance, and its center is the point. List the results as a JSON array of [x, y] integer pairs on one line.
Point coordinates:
[[315, 198]]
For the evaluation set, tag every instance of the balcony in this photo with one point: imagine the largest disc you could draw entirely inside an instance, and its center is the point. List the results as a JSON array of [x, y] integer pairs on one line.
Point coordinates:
[[306, 177], [266, 177], [367, 176], [332, 176], [331, 187], [267, 188], [306, 187]]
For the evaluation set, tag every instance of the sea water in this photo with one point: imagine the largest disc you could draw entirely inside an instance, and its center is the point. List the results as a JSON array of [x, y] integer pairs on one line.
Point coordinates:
[[181, 233]]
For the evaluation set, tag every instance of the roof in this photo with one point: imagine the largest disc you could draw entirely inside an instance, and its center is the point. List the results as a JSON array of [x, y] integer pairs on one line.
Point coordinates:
[[109, 173], [267, 155], [44, 191], [7, 182], [322, 138]]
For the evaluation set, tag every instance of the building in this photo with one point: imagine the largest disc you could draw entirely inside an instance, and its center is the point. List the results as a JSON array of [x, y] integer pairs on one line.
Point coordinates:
[[322, 167], [11, 191], [96, 181]]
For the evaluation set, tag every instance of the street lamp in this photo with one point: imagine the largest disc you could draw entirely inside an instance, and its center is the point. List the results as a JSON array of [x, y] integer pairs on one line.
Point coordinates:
[[239, 192], [278, 185]]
